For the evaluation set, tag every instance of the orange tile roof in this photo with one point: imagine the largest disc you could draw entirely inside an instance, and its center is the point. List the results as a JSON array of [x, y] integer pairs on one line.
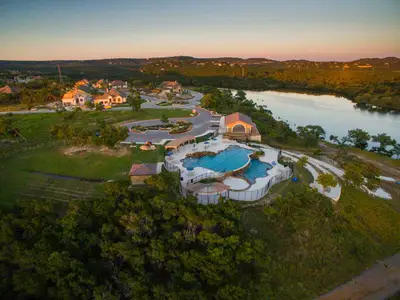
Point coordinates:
[[82, 82], [238, 117], [72, 93], [6, 90], [170, 83], [114, 93]]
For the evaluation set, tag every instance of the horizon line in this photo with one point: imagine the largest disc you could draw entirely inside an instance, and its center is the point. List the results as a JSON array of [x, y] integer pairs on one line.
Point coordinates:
[[194, 57]]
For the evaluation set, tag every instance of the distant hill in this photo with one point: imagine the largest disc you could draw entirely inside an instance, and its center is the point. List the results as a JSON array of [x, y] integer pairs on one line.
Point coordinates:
[[139, 61]]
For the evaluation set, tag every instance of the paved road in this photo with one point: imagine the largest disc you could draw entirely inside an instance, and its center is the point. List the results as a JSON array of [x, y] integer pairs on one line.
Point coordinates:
[[201, 124], [379, 282], [152, 103]]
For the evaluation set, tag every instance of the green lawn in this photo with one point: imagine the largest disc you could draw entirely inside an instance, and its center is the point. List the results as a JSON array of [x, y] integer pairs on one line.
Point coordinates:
[[16, 171], [36, 127], [304, 177], [39, 153]]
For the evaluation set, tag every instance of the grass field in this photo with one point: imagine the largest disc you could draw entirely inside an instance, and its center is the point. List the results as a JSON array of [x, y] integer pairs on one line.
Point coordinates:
[[40, 154], [18, 177], [36, 127]]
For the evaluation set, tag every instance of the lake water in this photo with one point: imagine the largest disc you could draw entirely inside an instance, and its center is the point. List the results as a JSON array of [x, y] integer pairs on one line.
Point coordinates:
[[336, 115]]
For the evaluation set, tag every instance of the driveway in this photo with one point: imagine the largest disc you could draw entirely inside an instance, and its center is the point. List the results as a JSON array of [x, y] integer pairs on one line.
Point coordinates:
[[201, 123]]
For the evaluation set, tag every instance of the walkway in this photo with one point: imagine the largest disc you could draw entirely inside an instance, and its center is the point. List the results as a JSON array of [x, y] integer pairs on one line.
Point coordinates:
[[317, 167], [381, 281]]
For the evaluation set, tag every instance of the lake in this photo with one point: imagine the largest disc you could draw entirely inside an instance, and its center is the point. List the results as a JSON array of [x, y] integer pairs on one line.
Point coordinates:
[[336, 115]]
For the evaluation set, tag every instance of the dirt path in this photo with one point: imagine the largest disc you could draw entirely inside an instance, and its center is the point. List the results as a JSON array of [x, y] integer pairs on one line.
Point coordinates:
[[381, 281]]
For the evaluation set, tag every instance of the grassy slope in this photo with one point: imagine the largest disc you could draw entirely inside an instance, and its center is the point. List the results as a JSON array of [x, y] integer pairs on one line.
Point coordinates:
[[39, 154], [312, 251]]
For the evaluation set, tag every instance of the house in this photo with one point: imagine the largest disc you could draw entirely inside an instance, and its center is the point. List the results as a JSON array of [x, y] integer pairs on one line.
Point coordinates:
[[83, 82], [9, 90], [100, 84], [240, 127], [171, 87], [76, 97], [110, 97], [118, 84], [140, 172]]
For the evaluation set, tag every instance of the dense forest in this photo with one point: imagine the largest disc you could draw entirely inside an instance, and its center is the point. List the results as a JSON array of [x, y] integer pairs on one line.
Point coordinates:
[[150, 243]]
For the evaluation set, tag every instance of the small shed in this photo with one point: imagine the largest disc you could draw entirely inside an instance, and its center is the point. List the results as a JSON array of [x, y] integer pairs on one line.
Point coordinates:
[[139, 172]]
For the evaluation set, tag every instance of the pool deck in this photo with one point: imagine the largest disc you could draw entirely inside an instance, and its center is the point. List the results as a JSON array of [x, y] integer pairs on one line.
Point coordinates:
[[220, 144]]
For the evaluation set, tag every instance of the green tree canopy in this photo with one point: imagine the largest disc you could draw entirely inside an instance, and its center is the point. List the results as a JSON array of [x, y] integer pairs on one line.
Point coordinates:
[[358, 138], [302, 161], [327, 180], [148, 243], [384, 141]]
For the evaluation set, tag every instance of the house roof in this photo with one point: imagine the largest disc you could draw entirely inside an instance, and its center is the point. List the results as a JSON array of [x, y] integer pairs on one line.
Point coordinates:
[[114, 93], [143, 169], [178, 142], [235, 117], [118, 82], [8, 90], [72, 93], [85, 89], [169, 84], [111, 93], [82, 82], [104, 96]]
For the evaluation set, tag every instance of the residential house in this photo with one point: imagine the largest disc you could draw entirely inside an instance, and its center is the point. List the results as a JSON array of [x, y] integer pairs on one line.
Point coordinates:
[[118, 84], [239, 126], [140, 172], [171, 87], [100, 84], [83, 82], [9, 90], [76, 97], [110, 97]]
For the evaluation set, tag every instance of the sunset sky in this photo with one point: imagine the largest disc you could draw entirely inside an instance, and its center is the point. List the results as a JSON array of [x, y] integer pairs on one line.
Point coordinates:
[[277, 29]]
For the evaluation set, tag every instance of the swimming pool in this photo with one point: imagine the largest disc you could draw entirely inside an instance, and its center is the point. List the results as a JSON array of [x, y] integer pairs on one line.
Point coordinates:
[[230, 159], [256, 169]]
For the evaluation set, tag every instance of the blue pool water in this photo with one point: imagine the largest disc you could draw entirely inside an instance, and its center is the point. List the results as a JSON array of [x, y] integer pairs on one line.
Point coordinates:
[[227, 160], [256, 169]]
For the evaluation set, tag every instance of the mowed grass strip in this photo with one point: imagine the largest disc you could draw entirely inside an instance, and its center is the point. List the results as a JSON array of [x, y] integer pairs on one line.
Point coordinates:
[[25, 185]]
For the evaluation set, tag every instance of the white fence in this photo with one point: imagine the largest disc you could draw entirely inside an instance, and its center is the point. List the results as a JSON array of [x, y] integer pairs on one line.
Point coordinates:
[[253, 195], [170, 166]]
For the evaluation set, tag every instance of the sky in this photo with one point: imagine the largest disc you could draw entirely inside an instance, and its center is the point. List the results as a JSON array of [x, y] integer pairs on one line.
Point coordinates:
[[277, 29]]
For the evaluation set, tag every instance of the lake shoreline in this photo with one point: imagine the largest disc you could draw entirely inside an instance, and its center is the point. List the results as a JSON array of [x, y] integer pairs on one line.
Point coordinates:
[[337, 115], [358, 105]]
